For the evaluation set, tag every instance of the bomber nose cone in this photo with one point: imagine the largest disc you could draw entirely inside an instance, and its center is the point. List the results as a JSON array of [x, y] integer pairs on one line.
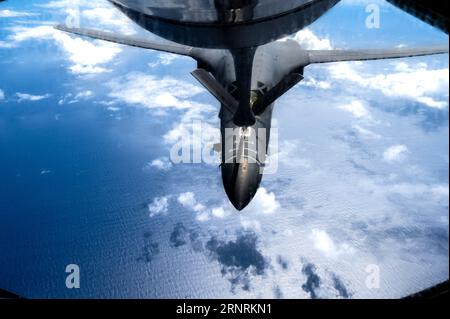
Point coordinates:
[[241, 181]]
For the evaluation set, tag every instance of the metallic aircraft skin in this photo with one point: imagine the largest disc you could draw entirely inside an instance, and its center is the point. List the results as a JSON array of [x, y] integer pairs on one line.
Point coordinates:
[[433, 12], [243, 164], [246, 74], [225, 24]]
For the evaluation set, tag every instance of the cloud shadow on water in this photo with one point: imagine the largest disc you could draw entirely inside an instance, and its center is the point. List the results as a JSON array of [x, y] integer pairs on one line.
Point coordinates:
[[340, 287], [149, 250], [312, 283], [179, 236], [240, 259]]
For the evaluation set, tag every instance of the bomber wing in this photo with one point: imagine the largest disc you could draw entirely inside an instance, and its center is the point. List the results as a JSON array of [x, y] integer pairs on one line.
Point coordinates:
[[307, 57], [326, 56], [130, 40]]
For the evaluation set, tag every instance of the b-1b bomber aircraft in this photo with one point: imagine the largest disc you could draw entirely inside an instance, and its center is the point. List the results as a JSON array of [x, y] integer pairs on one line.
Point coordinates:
[[241, 63]]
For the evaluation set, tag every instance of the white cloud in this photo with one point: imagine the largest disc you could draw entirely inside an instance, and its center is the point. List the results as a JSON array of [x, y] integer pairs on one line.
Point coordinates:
[[162, 163], [87, 69], [416, 82], [413, 82], [113, 108], [184, 128], [4, 44], [311, 82], [435, 192], [153, 92], [264, 202], [203, 213], [15, 14], [110, 18], [357, 109], [158, 94], [402, 67], [70, 98], [250, 224], [289, 155], [85, 56], [345, 71], [431, 102], [308, 40], [194, 133], [417, 191], [166, 59], [84, 95], [161, 94], [181, 130], [366, 132], [98, 14], [2, 94], [32, 98], [188, 200], [62, 4], [24, 34], [323, 243], [203, 216], [218, 212], [395, 153], [160, 205]]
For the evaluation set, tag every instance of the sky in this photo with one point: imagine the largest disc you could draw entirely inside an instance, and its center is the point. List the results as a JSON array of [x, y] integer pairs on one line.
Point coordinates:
[[86, 128]]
